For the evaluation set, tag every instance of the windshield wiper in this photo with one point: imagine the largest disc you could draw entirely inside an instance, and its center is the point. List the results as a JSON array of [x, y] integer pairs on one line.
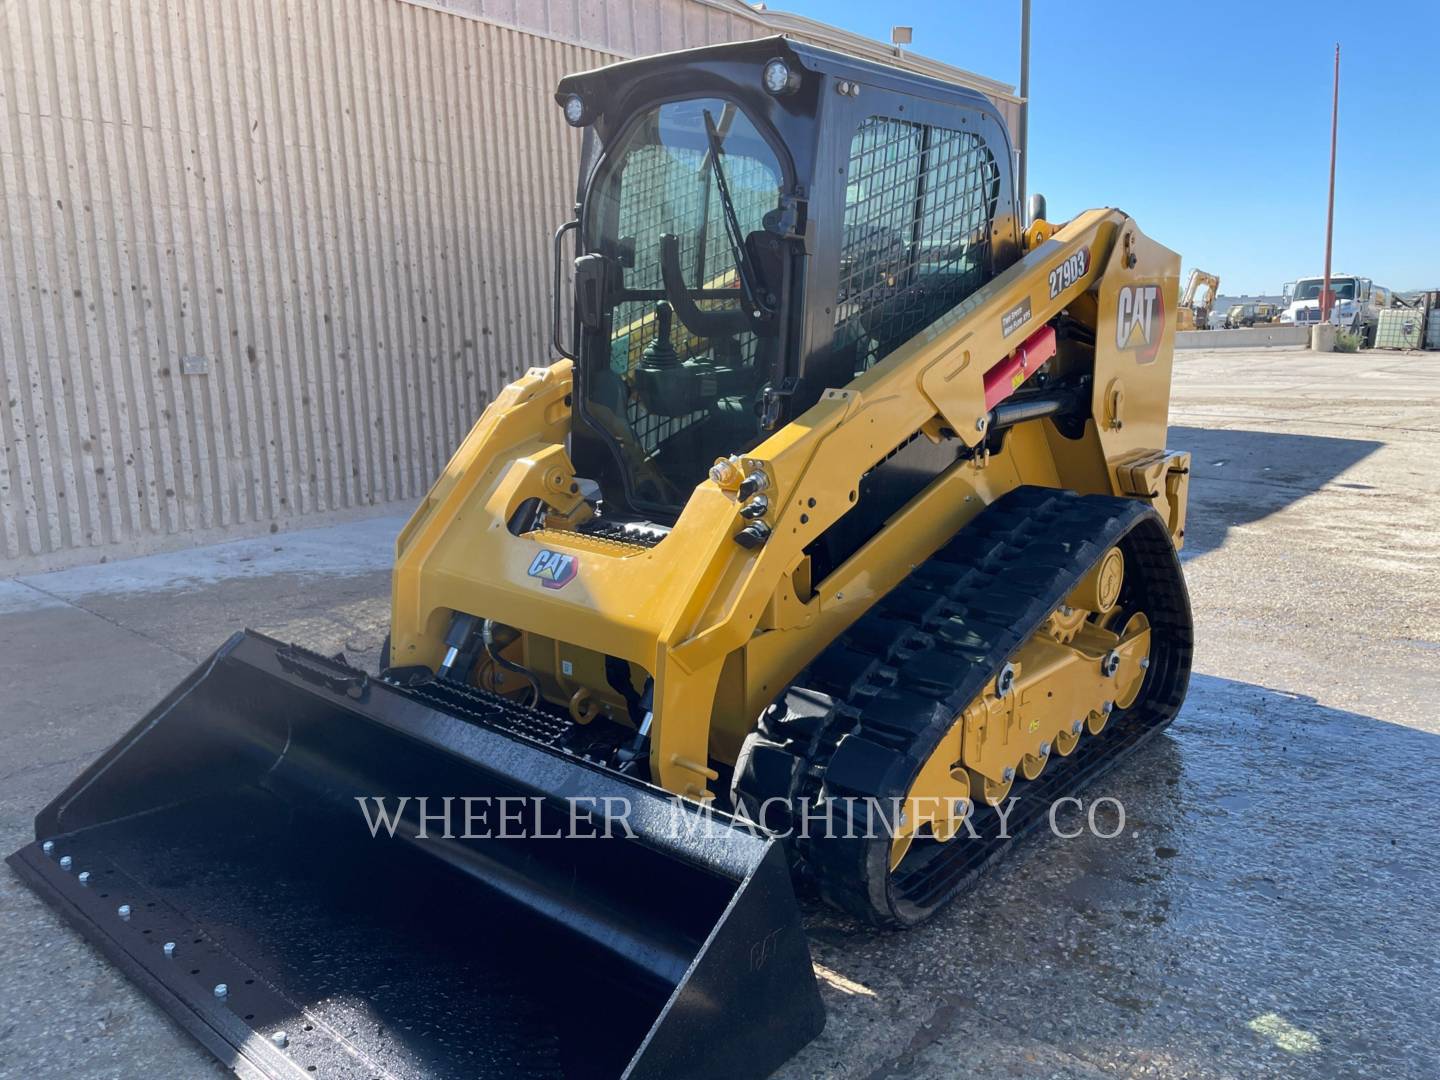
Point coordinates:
[[749, 278]]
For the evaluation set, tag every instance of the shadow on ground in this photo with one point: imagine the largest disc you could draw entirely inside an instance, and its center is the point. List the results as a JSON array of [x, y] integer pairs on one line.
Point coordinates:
[[1239, 477], [1222, 934]]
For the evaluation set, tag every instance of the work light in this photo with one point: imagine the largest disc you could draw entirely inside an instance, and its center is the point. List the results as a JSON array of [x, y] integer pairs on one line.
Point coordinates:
[[575, 112], [779, 79]]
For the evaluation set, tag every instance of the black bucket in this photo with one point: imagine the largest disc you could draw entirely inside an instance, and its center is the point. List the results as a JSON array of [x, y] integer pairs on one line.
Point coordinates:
[[601, 929]]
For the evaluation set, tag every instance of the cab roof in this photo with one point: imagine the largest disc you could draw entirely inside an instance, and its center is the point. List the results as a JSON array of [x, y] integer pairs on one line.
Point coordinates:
[[606, 82]]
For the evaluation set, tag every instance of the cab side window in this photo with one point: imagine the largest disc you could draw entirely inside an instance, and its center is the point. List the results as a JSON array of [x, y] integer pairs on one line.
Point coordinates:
[[919, 204]]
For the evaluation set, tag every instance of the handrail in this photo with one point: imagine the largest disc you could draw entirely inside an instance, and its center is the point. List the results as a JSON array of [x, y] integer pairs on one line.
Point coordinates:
[[555, 292]]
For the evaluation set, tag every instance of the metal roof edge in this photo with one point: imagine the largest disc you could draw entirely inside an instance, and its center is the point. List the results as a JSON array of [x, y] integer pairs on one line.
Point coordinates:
[[778, 22], [784, 22]]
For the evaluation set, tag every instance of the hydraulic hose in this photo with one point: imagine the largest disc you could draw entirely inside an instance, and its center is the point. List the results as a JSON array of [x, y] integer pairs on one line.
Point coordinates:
[[492, 649]]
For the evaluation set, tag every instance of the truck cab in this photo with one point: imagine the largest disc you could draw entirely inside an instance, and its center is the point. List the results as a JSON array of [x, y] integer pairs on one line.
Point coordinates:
[[1356, 302]]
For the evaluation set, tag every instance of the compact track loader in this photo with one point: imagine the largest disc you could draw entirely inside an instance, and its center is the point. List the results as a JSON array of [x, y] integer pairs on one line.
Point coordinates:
[[844, 519]]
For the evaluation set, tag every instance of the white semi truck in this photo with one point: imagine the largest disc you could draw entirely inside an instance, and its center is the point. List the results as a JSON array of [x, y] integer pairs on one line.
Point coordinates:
[[1356, 303]]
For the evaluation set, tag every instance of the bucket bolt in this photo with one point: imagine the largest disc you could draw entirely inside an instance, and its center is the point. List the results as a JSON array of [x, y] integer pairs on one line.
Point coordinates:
[[48, 847], [123, 911], [65, 862], [170, 948]]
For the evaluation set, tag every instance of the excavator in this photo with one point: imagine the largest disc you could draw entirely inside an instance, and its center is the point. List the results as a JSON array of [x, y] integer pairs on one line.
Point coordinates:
[[836, 542], [1200, 293]]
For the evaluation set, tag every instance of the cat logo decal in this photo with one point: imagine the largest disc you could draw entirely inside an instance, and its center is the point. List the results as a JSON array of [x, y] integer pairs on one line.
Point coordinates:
[[555, 569], [1140, 321]]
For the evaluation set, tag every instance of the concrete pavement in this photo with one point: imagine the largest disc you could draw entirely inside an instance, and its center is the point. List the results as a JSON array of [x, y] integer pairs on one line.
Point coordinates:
[[1268, 910]]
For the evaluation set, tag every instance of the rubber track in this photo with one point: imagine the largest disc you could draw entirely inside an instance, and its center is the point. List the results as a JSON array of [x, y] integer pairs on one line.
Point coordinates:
[[861, 720]]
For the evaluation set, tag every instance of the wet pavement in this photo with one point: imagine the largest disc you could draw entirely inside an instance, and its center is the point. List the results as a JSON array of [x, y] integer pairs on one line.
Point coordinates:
[[1267, 910]]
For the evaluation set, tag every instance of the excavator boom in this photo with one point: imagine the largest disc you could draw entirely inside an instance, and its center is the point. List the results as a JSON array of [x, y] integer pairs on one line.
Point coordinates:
[[1193, 312]]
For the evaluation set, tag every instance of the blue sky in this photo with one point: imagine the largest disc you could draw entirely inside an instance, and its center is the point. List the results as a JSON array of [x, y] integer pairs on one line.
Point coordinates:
[[1213, 130]]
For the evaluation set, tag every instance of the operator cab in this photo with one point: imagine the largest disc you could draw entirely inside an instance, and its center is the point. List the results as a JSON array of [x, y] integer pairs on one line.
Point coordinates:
[[723, 281]]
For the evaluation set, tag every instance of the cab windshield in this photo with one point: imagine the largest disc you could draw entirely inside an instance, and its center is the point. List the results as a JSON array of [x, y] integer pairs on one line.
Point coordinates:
[[1309, 288], [688, 342]]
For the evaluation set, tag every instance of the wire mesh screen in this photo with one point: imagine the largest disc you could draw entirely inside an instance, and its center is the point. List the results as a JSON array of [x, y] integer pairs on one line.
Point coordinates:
[[919, 202], [669, 189]]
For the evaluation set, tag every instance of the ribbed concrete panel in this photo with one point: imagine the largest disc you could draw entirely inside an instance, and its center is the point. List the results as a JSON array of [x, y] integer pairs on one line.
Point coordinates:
[[639, 27], [262, 258], [621, 27]]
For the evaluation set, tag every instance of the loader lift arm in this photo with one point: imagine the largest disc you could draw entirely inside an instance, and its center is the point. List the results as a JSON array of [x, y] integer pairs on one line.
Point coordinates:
[[933, 384]]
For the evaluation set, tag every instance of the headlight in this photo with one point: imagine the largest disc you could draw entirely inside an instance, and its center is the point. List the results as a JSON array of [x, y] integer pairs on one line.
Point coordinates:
[[575, 111], [779, 79]]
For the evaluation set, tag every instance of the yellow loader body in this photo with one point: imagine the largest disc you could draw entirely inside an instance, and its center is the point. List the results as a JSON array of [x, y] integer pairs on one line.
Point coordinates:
[[723, 629]]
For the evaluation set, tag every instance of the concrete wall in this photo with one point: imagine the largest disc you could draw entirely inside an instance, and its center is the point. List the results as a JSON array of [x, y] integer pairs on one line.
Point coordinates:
[[262, 262], [1247, 337]]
